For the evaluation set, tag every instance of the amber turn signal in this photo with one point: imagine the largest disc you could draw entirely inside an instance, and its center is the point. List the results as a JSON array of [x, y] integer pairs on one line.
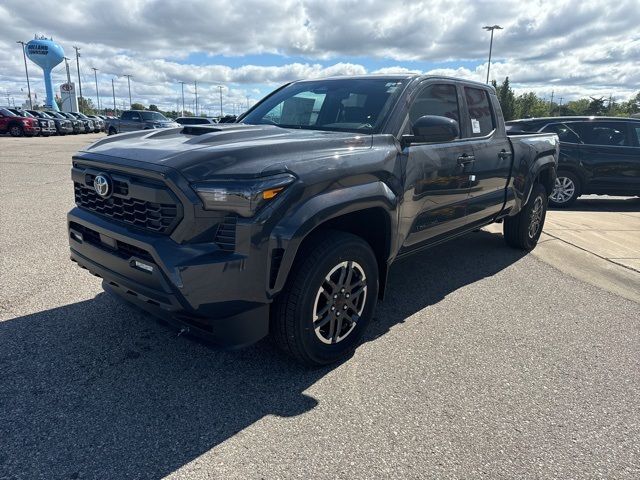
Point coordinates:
[[272, 192]]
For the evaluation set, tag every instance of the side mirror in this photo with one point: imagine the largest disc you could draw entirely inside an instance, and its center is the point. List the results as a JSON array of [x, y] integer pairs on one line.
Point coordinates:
[[432, 129]]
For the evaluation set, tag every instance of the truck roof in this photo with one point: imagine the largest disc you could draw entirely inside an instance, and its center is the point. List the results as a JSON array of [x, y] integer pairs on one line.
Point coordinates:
[[399, 76]]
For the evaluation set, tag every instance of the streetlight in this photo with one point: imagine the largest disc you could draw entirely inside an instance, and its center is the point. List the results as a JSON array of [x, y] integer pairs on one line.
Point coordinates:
[[182, 85], [113, 91], [95, 74], [26, 71], [129, 83], [77, 49], [491, 29], [221, 114], [195, 83]]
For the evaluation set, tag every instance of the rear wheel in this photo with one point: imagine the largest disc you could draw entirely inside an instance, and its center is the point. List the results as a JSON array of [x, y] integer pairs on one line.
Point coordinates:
[[565, 191], [523, 230], [112, 131], [16, 131], [329, 299]]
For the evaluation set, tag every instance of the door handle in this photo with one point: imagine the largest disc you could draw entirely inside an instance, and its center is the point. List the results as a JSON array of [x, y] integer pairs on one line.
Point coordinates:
[[503, 155], [466, 159]]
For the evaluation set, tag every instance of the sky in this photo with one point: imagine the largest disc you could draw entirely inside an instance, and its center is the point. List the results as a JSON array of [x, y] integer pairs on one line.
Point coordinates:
[[571, 48]]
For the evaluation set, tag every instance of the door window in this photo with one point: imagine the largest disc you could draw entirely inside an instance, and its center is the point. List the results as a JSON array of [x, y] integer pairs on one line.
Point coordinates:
[[637, 135], [564, 132], [439, 99], [601, 133], [481, 118], [127, 115]]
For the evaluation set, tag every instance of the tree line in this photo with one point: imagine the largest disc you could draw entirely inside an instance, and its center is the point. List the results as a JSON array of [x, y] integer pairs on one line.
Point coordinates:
[[528, 105]]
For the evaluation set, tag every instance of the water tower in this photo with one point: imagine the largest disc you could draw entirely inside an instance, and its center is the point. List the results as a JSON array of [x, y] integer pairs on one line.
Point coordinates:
[[47, 54]]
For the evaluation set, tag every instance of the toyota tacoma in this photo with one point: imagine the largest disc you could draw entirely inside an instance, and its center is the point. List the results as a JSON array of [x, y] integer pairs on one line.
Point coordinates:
[[287, 221]]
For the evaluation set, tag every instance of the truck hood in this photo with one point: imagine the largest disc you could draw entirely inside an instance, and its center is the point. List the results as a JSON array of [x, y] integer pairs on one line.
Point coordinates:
[[203, 152]]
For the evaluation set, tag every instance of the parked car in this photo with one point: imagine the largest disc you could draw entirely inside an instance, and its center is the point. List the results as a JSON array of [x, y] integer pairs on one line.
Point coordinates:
[[47, 126], [78, 125], [98, 123], [17, 124], [86, 121], [63, 124], [287, 222], [196, 121], [132, 120], [47, 123], [598, 155]]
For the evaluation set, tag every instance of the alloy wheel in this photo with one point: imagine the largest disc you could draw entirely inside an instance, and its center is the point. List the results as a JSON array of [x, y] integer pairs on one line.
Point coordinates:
[[339, 302], [536, 217], [563, 190]]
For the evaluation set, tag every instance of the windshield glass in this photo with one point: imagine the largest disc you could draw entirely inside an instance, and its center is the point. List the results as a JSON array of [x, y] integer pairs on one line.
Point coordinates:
[[357, 105], [6, 112], [23, 113], [154, 117]]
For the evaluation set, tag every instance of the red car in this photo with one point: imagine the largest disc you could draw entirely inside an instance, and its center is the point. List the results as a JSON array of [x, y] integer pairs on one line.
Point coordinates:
[[16, 125]]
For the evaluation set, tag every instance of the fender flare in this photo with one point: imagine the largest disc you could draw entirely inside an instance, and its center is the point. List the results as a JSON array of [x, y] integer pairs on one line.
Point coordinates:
[[543, 162], [289, 234]]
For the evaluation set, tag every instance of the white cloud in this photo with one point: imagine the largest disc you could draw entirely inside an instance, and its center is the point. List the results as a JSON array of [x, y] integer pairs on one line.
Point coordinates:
[[571, 47]]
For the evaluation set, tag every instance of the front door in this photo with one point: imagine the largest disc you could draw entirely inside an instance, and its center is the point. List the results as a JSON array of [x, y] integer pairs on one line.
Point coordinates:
[[437, 174]]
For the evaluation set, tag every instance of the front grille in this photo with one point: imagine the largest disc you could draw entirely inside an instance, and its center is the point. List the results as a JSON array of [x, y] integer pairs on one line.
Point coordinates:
[[226, 234], [122, 249], [123, 206]]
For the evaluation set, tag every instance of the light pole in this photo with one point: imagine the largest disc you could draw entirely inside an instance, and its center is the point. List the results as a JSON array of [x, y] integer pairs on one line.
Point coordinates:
[[129, 84], [95, 74], [77, 49], [182, 86], [113, 91], [221, 114], [26, 71], [195, 83], [491, 29]]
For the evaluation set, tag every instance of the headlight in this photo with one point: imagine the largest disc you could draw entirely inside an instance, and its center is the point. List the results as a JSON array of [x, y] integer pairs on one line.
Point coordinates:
[[244, 197]]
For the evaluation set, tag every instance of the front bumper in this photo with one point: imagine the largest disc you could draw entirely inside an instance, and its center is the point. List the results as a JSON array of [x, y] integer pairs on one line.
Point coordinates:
[[209, 293], [29, 130]]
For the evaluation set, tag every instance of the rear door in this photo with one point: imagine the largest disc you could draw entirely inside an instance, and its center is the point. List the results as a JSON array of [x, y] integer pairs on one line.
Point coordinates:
[[611, 155], [436, 183], [491, 151]]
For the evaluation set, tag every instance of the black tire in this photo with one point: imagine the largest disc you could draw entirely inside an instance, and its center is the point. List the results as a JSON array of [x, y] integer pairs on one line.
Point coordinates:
[[523, 230], [566, 182], [16, 131], [112, 131], [292, 319]]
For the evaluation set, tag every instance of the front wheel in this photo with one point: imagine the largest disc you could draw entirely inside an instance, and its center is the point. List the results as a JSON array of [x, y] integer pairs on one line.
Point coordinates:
[[565, 191], [523, 230], [329, 299], [112, 131], [16, 131]]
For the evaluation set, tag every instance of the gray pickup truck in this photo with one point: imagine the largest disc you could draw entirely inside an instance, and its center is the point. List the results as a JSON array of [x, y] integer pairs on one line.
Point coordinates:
[[133, 120], [286, 223]]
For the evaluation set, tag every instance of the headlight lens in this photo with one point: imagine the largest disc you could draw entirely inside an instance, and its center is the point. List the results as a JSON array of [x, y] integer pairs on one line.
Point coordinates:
[[244, 197]]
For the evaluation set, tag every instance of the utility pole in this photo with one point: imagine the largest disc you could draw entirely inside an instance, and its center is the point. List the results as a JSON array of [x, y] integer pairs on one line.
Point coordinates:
[[491, 29], [551, 104], [560, 106], [26, 71], [129, 84], [182, 86], [247, 102], [113, 90], [221, 114], [610, 103], [195, 83], [95, 74], [77, 49]]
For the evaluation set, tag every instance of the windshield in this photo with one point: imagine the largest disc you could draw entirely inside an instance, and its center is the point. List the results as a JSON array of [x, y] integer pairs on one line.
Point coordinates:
[[154, 117], [55, 114], [6, 112], [343, 105], [23, 113]]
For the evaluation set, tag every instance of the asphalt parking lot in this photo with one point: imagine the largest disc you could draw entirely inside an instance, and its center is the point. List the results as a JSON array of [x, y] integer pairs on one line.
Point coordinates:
[[497, 364]]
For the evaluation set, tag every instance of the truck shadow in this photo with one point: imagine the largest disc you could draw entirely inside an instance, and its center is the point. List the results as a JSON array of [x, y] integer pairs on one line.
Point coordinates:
[[98, 390]]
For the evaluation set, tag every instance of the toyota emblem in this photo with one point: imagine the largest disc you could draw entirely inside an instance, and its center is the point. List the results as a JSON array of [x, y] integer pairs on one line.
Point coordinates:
[[102, 185]]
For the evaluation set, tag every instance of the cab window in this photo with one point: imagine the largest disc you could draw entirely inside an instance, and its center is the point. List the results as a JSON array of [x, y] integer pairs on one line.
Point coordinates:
[[438, 99], [565, 133], [481, 118]]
